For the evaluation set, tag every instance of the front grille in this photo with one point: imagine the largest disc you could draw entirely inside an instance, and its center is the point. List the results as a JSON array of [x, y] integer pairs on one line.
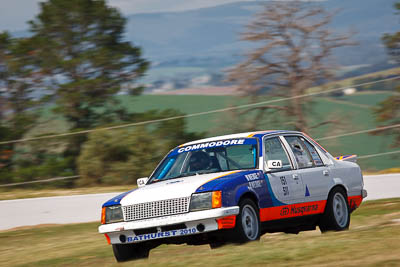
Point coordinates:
[[156, 209]]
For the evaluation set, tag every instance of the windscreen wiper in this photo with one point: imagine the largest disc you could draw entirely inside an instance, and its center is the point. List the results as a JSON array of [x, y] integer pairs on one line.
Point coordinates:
[[179, 176]]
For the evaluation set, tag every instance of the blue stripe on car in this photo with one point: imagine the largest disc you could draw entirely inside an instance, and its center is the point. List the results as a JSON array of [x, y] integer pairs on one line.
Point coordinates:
[[117, 200], [211, 185], [235, 185], [274, 200]]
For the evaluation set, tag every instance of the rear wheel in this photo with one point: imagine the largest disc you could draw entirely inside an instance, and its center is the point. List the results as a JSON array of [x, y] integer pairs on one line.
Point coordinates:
[[248, 222], [336, 216], [125, 252]]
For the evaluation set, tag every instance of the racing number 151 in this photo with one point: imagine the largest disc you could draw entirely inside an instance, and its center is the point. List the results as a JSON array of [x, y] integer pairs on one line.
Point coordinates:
[[285, 188]]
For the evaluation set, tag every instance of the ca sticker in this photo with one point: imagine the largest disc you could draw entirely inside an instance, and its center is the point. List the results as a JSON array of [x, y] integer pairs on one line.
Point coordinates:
[[274, 164]]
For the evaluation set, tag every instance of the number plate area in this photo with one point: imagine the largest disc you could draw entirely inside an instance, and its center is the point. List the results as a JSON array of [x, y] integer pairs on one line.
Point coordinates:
[[141, 235]]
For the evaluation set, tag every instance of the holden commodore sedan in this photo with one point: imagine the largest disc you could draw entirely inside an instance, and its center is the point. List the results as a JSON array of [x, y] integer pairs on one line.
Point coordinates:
[[234, 188]]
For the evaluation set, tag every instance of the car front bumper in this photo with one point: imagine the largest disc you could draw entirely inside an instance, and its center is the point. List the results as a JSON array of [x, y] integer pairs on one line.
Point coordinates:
[[195, 222]]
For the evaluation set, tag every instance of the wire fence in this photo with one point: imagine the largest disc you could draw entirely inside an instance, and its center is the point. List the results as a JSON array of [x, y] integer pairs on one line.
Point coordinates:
[[206, 113], [192, 114], [359, 132], [42, 181], [378, 154]]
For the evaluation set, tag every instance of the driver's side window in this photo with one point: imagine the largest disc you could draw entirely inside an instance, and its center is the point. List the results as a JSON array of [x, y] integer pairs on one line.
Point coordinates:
[[274, 150]]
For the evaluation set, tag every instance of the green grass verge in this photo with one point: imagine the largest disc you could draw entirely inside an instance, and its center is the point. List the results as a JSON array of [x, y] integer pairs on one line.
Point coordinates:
[[373, 240]]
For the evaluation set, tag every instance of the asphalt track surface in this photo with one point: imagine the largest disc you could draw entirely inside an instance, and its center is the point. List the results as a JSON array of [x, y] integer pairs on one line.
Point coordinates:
[[87, 208]]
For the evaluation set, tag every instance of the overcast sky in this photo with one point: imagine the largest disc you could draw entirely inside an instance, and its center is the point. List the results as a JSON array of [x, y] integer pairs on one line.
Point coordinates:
[[15, 13]]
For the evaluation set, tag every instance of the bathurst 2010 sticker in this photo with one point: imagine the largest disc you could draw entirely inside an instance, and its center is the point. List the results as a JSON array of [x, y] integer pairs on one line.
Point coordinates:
[[171, 233]]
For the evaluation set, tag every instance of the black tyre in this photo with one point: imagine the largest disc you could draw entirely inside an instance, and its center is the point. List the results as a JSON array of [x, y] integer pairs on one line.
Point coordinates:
[[214, 245], [125, 252], [247, 226], [337, 213]]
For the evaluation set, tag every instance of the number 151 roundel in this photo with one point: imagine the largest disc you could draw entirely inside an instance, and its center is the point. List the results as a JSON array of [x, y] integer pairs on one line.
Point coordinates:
[[233, 188]]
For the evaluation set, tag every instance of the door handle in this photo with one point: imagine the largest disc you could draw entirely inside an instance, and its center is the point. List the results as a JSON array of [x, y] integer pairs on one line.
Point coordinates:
[[295, 177], [325, 173]]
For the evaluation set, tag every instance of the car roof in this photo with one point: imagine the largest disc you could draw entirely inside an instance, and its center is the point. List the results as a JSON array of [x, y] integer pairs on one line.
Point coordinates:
[[257, 134]]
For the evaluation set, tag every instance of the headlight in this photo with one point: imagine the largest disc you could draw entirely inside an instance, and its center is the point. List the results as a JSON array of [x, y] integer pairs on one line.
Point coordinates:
[[204, 201], [112, 214]]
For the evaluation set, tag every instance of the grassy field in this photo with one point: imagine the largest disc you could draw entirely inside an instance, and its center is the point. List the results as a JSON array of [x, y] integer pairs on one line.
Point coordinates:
[[349, 81], [350, 113], [367, 98], [373, 240], [354, 116]]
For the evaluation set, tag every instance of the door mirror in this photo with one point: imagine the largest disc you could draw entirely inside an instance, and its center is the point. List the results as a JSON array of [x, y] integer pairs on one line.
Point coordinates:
[[274, 164], [142, 181]]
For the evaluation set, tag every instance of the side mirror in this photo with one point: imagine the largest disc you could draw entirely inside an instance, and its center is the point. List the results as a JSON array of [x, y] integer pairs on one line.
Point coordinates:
[[274, 164], [142, 181]]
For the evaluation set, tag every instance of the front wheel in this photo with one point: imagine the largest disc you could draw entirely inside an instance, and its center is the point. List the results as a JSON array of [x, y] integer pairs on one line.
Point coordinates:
[[125, 252], [248, 222], [336, 216]]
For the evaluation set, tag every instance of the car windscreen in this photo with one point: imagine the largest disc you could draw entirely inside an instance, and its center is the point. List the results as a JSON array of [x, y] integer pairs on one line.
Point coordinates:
[[208, 157]]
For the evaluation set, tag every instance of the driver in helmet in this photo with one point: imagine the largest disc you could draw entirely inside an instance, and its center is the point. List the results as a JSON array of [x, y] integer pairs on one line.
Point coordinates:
[[199, 161], [300, 154]]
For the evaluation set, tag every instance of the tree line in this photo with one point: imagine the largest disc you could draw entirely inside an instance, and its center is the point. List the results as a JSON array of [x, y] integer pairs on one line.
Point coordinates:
[[76, 60]]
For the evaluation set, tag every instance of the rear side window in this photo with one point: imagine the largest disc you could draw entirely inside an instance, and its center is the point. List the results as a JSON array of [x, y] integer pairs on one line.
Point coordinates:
[[305, 153], [300, 152], [275, 151], [314, 154]]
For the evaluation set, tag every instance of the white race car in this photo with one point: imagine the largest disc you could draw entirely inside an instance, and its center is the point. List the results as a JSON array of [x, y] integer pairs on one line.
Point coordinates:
[[234, 188]]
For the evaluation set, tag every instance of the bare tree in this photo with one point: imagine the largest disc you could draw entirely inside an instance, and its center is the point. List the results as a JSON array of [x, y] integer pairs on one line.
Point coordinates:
[[388, 111], [294, 53]]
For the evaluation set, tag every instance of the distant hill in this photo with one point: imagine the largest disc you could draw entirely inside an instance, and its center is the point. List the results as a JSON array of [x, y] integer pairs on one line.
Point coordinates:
[[184, 46], [207, 39], [214, 31]]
